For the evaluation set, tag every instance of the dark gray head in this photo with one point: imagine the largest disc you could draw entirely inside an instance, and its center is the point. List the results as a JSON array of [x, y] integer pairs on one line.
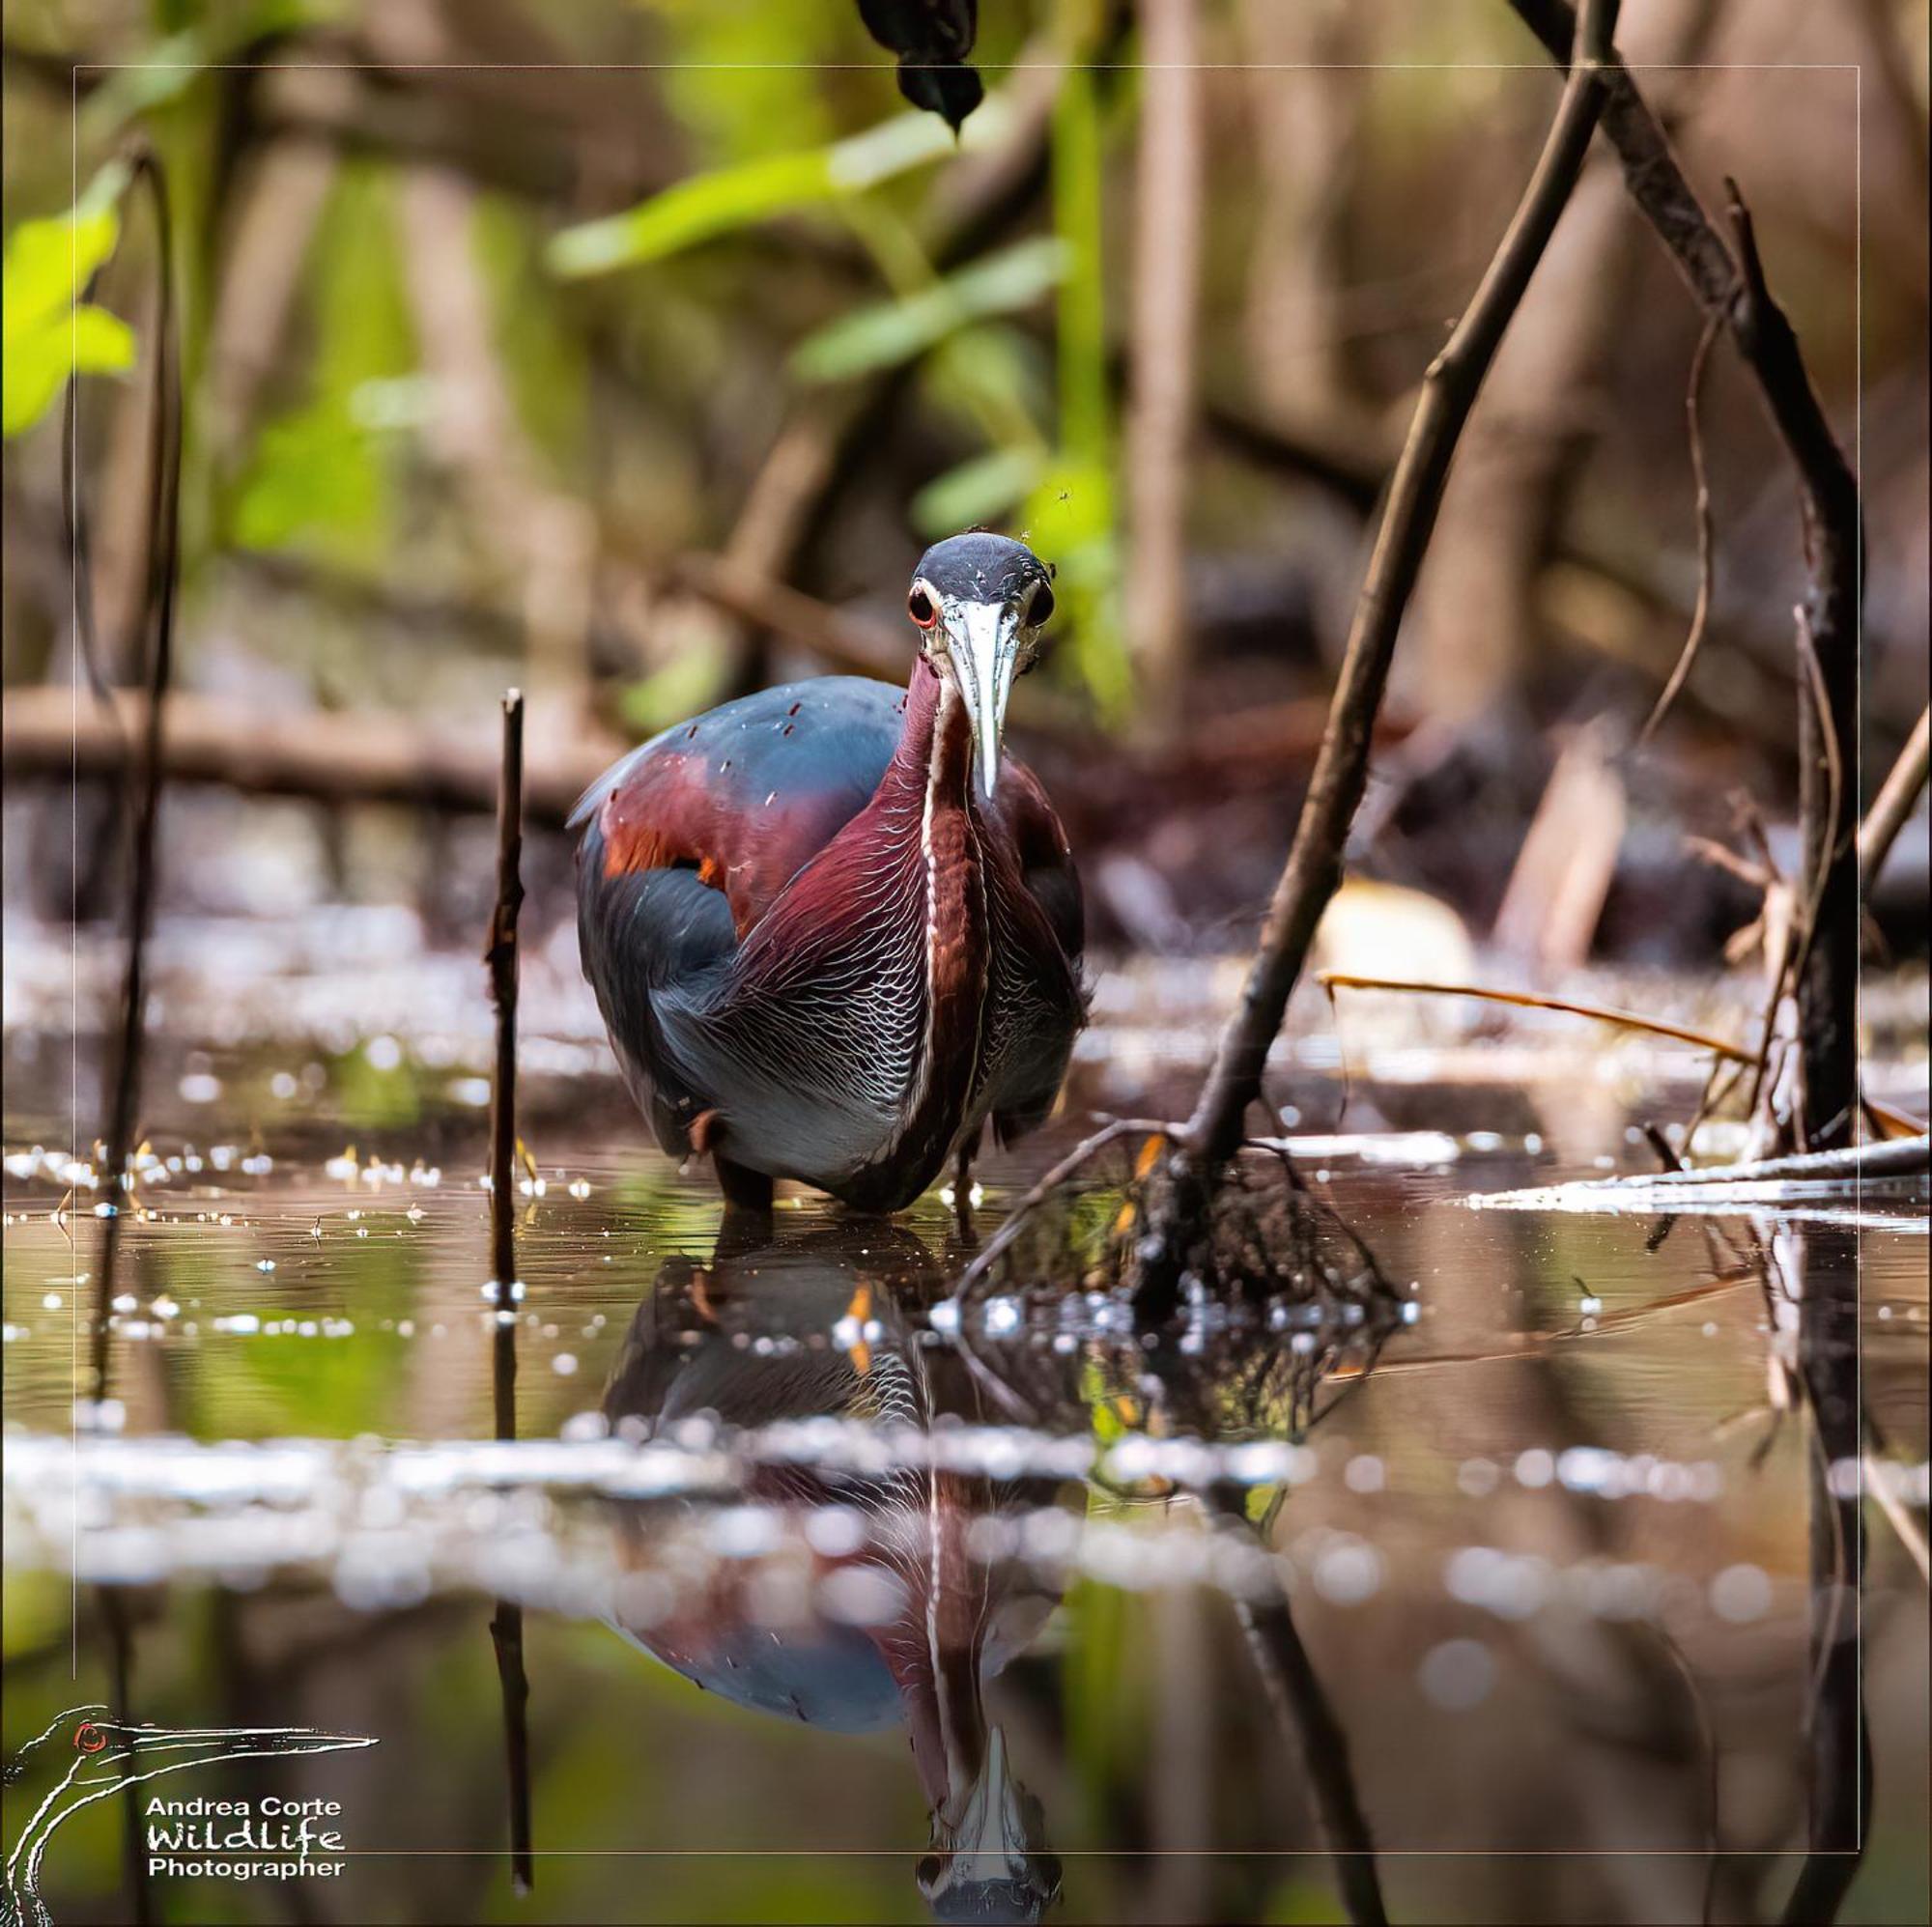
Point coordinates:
[[979, 601]]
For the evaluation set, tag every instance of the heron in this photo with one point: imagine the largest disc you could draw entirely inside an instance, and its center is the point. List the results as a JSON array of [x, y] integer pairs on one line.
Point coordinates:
[[833, 928]]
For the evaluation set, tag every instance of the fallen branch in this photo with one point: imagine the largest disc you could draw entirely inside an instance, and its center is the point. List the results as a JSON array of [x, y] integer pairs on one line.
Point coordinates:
[[380, 757], [1314, 866], [1900, 1158], [340, 757]]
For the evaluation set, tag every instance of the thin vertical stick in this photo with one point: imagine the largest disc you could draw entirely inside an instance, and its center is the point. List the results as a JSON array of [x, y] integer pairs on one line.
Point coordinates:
[[506, 1627], [501, 956], [165, 451]]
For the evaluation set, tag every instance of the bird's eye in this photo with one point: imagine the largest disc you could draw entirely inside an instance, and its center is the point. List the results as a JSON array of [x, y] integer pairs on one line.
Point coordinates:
[[921, 606], [927, 1872], [1041, 609]]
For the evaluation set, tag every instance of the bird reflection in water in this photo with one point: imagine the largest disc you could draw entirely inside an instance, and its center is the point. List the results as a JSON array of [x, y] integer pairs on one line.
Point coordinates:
[[811, 1326]]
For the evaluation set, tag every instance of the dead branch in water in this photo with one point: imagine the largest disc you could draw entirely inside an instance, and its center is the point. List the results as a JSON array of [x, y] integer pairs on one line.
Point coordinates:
[[506, 1627], [165, 451], [1314, 866]]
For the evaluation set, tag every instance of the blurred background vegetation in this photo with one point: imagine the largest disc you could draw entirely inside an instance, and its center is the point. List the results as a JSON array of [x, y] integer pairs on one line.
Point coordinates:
[[632, 351]]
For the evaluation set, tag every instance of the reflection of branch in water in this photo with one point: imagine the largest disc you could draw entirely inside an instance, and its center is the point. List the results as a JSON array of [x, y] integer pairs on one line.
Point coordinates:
[[1839, 1749], [1307, 1717], [121, 1669]]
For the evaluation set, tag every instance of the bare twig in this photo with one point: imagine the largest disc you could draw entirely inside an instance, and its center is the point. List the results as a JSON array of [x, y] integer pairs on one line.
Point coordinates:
[[1627, 1020], [1700, 614], [1314, 866], [506, 1627], [1893, 803], [163, 575], [1896, 1124]]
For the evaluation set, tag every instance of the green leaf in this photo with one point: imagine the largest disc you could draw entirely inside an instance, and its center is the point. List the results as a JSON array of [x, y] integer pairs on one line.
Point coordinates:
[[982, 490], [45, 336], [892, 332], [731, 198]]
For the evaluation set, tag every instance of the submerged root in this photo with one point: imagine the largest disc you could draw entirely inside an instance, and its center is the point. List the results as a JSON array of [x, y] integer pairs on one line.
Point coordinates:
[[1279, 1295]]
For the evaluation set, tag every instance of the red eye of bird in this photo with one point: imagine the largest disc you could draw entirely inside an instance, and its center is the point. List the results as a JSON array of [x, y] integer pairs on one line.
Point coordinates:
[[921, 606]]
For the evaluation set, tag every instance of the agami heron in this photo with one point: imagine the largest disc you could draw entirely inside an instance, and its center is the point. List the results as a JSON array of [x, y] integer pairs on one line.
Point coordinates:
[[833, 929]]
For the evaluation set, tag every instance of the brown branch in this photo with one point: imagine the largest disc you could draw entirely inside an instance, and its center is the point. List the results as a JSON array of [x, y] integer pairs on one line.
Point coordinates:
[[1314, 864], [1894, 803], [506, 1627], [165, 453]]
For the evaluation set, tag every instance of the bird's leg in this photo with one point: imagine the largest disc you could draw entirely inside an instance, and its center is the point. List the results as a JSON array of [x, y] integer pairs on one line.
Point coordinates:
[[962, 1185], [746, 1192]]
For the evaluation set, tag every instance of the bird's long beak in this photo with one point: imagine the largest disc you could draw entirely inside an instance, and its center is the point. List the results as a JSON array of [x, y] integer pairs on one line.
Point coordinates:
[[984, 640], [992, 1867]]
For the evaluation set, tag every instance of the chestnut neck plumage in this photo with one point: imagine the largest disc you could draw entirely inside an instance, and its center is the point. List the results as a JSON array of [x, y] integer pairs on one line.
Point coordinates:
[[928, 791]]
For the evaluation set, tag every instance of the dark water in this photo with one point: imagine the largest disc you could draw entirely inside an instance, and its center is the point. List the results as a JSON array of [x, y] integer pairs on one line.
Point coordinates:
[[1496, 1535]]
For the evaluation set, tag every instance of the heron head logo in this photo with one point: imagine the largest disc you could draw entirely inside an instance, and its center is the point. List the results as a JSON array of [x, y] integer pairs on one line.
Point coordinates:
[[86, 1755]]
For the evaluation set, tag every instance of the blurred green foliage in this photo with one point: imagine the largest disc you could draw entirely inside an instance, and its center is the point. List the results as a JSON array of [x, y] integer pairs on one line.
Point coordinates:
[[733, 197], [893, 333], [321, 470], [50, 331]]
